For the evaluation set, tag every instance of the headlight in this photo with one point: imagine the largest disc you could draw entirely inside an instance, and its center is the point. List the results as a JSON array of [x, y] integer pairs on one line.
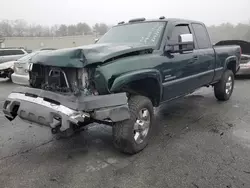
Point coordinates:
[[30, 66], [85, 79]]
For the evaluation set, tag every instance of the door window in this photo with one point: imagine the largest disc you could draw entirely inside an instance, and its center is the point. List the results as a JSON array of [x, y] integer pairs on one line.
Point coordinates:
[[178, 30], [202, 37]]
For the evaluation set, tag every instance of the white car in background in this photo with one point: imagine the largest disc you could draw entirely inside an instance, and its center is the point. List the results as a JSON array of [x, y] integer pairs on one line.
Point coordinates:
[[6, 69], [21, 68], [244, 65], [7, 59], [11, 54]]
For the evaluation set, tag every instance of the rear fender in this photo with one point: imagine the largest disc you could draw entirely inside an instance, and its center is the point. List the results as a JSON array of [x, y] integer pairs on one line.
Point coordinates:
[[229, 60]]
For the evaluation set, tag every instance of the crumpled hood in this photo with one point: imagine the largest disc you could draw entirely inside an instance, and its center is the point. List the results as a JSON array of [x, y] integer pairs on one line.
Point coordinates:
[[84, 55]]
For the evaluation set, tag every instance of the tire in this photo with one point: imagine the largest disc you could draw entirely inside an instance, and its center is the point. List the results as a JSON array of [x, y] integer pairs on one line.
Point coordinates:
[[222, 90], [124, 133]]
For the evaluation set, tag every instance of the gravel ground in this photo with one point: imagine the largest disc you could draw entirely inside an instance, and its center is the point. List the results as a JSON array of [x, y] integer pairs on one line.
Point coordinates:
[[198, 142]]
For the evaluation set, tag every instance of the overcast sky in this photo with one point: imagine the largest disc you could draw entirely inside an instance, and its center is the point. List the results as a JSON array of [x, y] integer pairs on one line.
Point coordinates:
[[48, 12]]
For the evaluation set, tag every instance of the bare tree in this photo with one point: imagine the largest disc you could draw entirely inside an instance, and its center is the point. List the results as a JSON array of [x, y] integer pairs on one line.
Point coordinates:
[[83, 28], [72, 30], [6, 29], [54, 30], [62, 31], [20, 28], [100, 28]]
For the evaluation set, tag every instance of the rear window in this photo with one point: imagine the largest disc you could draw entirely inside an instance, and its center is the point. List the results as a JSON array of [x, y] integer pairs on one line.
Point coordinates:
[[1, 52], [12, 52]]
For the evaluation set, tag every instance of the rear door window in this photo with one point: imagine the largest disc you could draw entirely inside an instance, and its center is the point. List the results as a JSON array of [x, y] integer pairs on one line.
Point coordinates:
[[202, 37]]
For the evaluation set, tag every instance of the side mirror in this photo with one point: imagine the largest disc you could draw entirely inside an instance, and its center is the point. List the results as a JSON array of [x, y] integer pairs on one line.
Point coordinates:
[[96, 40], [185, 43], [184, 38]]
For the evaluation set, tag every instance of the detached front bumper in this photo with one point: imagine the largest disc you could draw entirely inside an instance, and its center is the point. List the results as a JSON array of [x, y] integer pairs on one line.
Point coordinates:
[[56, 110]]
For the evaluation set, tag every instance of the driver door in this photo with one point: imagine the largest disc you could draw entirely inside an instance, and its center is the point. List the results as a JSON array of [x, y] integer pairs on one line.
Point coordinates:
[[178, 72]]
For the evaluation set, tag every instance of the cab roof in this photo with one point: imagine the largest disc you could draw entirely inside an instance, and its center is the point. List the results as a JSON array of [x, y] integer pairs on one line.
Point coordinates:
[[161, 19]]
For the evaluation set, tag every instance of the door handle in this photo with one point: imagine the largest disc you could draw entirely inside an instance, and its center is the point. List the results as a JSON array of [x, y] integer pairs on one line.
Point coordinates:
[[195, 57]]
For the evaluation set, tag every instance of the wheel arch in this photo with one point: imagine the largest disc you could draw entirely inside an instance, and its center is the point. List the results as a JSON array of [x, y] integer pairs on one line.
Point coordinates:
[[143, 82], [231, 64]]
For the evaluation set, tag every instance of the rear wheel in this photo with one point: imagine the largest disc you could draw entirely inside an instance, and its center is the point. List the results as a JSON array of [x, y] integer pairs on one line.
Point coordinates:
[[224, 88], [132, 135]]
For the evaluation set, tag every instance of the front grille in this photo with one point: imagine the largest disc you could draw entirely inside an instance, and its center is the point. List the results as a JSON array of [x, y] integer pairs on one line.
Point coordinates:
[[55, 79]]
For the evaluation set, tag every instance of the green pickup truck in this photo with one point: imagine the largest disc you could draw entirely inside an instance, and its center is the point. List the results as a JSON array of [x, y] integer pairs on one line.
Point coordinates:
[[118, 80]]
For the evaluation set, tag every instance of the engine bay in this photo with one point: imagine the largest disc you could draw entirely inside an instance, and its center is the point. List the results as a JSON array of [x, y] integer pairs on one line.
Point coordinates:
[[60, 79]]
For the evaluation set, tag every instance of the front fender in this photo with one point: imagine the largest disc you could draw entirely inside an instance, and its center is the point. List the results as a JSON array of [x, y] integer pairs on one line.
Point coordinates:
[[129, 77]]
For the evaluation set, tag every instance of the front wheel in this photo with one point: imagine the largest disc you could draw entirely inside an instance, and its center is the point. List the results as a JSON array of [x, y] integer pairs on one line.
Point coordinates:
[[224, 88], [132, 135]]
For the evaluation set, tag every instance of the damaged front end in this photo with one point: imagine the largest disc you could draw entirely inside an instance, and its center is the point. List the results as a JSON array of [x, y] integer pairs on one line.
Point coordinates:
[[60, 111], [61, 97]]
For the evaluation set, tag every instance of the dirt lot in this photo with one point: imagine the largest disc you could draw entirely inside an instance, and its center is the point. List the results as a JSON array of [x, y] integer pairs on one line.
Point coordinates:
[[198, 142]]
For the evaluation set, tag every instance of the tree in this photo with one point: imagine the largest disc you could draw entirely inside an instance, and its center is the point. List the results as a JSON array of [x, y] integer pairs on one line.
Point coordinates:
[[54, 30], [247, 36], [46, 31], [6, 28], [83, 28], [72, 30], [20, 28], [101, 28], [63, 30]]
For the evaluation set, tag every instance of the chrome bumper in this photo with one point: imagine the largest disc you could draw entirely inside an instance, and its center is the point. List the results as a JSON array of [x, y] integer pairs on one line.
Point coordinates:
[[42, 112], [56, 110]]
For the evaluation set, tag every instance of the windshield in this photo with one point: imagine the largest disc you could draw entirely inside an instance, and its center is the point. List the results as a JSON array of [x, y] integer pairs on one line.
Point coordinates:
[[148, 33]]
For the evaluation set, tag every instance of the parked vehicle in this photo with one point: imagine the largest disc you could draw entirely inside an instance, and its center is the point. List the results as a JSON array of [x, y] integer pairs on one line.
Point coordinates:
[[245, 57], [20, 68], [244, 65], [6, 69], [11, 54], [7, 58], [118, 80]]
